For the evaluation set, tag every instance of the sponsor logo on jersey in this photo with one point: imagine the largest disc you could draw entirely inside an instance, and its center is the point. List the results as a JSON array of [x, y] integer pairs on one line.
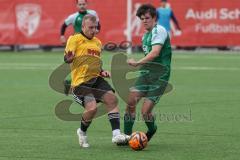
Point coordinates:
[[93, 52]]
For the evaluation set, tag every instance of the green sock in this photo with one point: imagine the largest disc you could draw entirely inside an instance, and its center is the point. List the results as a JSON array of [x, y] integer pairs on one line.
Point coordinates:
[[128, 123], [150, 122]]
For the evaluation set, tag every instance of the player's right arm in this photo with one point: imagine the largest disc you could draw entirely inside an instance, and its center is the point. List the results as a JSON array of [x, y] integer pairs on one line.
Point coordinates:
[[173, 17], [70, 49]]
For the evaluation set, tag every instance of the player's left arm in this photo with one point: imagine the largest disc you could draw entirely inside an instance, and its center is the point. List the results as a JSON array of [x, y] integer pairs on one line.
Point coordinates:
[[99, 26], [92, 12], [173, 17], [158, 40], [98, 21], [103, 73], [148, 58]]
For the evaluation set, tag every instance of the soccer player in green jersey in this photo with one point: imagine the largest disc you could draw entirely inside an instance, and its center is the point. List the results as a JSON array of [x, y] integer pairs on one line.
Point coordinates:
[[75, 20], [158, 52]]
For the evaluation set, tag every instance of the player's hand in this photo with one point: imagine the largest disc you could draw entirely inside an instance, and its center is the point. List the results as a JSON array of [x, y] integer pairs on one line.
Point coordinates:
[[63, 40], [132, 62], [68, 58], [178, 33], [105, 74], [97, 31]]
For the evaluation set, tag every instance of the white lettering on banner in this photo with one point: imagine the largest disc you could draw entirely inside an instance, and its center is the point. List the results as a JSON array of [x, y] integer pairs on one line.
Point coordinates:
[[212, 13], [28, 18], [229, 14], [216, 28], [209, 14]]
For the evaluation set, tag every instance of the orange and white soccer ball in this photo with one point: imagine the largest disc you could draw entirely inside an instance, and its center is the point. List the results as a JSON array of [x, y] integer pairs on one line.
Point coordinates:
[[138, 141]]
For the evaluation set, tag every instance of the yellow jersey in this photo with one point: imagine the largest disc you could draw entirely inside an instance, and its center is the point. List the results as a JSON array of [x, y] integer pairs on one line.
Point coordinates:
[[87, 62]]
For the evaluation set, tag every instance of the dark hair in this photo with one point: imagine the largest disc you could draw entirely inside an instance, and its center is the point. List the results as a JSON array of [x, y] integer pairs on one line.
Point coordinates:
[[77, 1], [146, 8]]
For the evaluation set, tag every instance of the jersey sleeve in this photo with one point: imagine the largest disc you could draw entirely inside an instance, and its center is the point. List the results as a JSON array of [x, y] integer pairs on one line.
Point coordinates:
[[92, 12], [159, 35], [99, 43], [70, 19], [71, 45]]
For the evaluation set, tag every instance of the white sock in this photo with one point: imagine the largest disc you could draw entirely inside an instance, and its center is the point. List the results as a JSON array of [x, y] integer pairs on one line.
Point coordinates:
[[83, 133], [116, 132]]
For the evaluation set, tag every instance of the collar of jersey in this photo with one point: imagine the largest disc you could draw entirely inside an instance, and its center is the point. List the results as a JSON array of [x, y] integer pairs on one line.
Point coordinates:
[[85, 12], [85, 35], [152, 28]]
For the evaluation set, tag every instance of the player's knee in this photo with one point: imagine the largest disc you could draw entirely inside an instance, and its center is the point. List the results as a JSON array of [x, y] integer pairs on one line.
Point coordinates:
[[132, 101], [130, 109], [110, 100], [131, 106], [92, 110], [91, 107]]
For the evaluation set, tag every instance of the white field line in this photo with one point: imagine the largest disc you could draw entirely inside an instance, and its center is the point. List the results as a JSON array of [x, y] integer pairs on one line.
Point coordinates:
[[204, 68], [48, 66], [27, 66], [206, 57]]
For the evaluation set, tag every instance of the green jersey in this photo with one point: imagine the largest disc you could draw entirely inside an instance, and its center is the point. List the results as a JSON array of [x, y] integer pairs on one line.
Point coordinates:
[[158, 36], [76, 19], [155, 74]]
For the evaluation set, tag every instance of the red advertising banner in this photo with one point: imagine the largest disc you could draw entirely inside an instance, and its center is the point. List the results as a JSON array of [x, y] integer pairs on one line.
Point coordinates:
[[203, 22], [208, 23], [7, 22]]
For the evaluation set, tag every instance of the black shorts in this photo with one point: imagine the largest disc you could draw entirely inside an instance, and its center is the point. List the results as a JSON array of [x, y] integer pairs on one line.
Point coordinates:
[[96, 87]]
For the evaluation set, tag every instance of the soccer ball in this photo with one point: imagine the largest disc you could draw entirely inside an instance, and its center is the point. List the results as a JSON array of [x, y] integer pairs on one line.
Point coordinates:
[[138, 141]]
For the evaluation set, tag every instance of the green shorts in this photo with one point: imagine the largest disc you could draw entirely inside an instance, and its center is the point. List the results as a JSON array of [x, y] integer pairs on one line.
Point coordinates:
[[151, 85]]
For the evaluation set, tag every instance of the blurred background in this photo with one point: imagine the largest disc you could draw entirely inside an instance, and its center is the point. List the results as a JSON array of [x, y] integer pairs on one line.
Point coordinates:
[[198, 120], [37, 23]]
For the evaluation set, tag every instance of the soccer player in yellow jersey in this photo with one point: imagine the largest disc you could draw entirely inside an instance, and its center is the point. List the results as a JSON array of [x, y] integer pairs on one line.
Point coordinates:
[[76, 21], [83, 52]]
